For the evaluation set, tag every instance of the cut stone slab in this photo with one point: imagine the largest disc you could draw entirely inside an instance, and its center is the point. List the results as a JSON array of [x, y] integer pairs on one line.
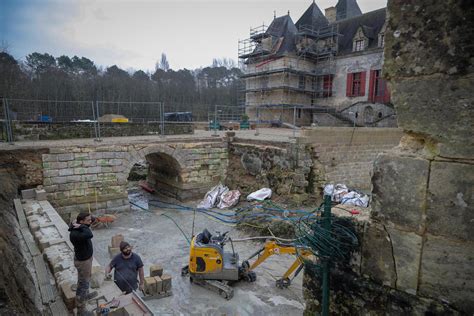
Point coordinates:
[[447, 272], [451, 200], [399, 190], [406, 252], [377, 258], [41, 195], [28, 194]]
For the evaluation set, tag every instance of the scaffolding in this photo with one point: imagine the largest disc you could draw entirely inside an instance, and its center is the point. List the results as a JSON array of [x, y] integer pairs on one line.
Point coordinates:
[[293, 80]]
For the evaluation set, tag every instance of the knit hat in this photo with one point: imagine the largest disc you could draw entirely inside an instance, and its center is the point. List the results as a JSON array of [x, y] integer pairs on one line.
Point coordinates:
[[123, 245]]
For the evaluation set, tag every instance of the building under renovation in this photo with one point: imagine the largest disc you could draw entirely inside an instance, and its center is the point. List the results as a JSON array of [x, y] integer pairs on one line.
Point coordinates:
[[323, 69]]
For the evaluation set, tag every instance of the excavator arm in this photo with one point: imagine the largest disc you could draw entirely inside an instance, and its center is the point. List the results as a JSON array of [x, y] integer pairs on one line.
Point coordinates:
[[273, 248]]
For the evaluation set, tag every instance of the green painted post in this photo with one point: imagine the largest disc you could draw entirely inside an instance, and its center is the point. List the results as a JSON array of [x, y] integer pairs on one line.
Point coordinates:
[[326, 261]]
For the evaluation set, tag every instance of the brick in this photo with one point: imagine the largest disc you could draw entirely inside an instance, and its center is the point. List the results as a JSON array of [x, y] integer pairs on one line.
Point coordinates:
[[156, 270], [115, 242]]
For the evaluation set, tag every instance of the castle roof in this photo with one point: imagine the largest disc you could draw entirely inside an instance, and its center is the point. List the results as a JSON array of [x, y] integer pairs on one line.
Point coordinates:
[[312, 17]]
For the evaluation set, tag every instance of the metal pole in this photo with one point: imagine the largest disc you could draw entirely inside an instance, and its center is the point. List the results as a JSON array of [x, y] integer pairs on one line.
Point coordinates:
[[98, 121], [94, 119], [162, 118], [326, 261], [9, 125], [294, 121], [215, 121], [257, 132], [7, 121]]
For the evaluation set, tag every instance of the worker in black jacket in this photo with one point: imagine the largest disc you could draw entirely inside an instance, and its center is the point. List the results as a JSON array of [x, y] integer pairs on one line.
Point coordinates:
[[81, 238]]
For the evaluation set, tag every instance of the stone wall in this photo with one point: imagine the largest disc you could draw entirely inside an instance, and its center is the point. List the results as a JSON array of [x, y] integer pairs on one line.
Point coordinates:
[[66, 130], [95, 177], [346, 154], [417, 253], [283, 167]]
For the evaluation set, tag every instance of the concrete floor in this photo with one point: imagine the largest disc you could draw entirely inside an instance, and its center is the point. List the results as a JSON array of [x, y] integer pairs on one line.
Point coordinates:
[[159, 241]]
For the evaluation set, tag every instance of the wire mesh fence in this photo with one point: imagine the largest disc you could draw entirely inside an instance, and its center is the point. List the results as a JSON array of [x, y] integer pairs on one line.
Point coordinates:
[[25, 119]]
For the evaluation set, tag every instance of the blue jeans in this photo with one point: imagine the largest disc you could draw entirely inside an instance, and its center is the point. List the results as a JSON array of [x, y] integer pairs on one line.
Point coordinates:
[[84, 270]]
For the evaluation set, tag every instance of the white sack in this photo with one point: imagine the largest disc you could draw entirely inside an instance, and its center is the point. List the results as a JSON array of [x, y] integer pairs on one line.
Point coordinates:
[[212, 197], [260, 195], [229, 199]]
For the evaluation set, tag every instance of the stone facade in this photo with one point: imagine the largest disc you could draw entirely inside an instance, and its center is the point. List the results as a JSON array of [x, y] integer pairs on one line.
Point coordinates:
[[95, 177]]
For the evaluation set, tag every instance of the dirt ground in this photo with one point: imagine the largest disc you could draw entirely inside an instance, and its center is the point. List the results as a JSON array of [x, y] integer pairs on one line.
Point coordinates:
[[159, 241]]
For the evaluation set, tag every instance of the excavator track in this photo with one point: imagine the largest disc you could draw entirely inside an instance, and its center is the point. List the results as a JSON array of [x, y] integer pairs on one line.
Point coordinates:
[[219, 287]]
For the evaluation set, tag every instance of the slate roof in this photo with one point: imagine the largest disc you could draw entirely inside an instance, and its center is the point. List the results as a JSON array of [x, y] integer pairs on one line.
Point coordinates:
[[282, 27], [371, 23], [312, 17], [346, 9]]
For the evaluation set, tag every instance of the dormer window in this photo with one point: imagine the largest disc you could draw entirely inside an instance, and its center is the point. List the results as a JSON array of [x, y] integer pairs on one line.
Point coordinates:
[[381, 40], [360, 40], [359, 45]]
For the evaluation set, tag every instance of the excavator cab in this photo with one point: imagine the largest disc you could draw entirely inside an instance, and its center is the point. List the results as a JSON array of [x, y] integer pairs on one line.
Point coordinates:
[[208, 260]]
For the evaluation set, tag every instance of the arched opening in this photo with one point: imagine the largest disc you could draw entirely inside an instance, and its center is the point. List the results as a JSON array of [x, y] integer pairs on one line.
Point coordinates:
[[164, 174], [368, 115]]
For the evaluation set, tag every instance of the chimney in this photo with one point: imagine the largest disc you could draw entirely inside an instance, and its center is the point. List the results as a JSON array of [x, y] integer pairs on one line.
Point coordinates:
[[330, 14]]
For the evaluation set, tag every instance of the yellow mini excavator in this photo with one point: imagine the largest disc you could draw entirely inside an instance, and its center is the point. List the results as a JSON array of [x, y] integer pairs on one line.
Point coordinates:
[[215, 269]]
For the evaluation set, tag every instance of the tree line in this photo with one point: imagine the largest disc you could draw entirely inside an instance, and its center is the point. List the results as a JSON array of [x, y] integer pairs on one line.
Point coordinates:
[[45, 77]]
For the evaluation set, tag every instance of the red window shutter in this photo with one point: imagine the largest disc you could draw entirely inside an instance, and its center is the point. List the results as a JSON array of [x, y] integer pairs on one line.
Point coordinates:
[[362, 83], [349, 85], [372, 86]]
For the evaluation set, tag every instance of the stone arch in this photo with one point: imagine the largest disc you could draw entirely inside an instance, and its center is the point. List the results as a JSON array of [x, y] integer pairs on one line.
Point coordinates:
[[166, 165]]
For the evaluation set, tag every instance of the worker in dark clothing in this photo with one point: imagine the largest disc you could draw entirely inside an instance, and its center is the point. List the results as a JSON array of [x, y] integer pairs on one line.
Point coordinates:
[[81, 238], [127, 267]]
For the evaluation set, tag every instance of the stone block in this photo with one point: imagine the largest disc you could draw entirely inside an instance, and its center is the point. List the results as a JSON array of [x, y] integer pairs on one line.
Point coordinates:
[[28, 194], [113, 251], [447, 272], [159, 284], [166, 282], [156, 270], [97, 275], [150, 285], [377, 258], [406, 253], [450, 209], [400, 183], [65, 157], [423, 108], [116, 240], [68, 294], [40, 195], [66, 172]]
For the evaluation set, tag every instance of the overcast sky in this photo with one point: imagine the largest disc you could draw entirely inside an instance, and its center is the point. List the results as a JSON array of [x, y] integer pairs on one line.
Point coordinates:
[[134, 33]]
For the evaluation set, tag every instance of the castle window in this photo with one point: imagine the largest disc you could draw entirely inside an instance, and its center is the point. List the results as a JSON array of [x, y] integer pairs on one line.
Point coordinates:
[[359, 45], [355, 84]]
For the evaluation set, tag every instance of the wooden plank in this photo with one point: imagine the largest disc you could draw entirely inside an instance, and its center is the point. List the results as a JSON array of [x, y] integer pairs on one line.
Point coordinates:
[[20, 213], [30, 242], [47, 293]]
